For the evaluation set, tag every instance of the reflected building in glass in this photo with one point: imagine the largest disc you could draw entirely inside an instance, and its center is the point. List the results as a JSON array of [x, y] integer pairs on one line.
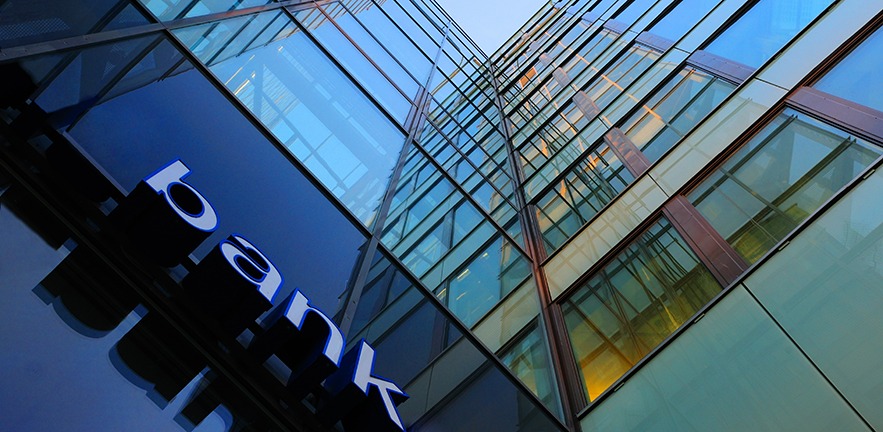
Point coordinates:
[[635, 215]]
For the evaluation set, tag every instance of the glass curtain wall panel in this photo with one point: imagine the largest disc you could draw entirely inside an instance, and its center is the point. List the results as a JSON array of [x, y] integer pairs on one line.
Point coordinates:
[[765, 28], [632, 304], [24, 22], [675, 110], [778, 179], [312, 107], [849, 79]]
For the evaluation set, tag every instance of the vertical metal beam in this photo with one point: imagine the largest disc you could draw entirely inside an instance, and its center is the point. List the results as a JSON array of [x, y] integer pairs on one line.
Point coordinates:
[[550, 313]]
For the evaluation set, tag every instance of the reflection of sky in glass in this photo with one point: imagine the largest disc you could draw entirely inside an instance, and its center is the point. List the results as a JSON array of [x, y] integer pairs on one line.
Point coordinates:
[[765, 29], [309, 105], [673, 27], [850, 78], [256, 192]]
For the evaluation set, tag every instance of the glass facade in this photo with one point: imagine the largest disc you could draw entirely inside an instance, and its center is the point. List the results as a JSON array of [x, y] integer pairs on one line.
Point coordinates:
[[634, 215]]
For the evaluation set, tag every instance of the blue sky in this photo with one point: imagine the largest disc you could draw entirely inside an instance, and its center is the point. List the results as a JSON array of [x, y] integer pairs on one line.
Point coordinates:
[[491, 22]]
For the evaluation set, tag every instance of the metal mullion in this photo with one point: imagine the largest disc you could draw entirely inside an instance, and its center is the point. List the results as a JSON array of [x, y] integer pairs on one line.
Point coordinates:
[[747, 158], [471, 199], [516, 36], [683, 108], [773, 206], [618, 307], [249, 46], [379, 8], [457, 184], [365, 55], [414, 21], [582, 155], [550, 315], [440, 29], [556, 62], [828, 204], [74, 42], [571, 56], [593, 77], [477, 169], [593, 292], [570, 166], [382, 46], [546, 47], [412, 125], [554, 18], [230, 39]]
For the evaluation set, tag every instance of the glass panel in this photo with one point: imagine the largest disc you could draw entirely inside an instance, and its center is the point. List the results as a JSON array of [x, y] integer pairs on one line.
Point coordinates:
[[167, 10], [591, 185], [733, 371], [391, 37], [778, 179], [675, 109], [826, 290], [152, 108], [633, 304], [850, 78], [69, 337], [481, 283], [24, 22], [634, 11], [358, 65], [766, 28], [311, 107], [384, 60], [528, 359], [501, 408], [441, 367], [678, 22]]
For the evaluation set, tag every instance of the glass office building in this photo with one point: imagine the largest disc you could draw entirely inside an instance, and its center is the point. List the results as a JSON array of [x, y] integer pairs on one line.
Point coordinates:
[[636, 215]]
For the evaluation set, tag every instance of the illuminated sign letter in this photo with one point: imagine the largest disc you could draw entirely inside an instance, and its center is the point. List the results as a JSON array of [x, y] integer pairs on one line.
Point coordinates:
[[252, 265], [189, 204], [304, 339], [164, 217], [235, 283]]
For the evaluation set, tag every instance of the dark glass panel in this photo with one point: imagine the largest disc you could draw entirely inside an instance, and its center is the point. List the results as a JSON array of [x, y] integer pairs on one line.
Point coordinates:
[[67, 323], [24, 22], [488, 402], [151, 108], [167, 10]]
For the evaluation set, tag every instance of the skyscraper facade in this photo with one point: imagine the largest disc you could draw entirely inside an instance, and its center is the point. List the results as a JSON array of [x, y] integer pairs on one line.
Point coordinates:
[[343, 216]]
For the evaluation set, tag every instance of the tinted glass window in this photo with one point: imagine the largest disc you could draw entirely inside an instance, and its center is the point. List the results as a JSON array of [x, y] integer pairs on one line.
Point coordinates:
[[778, 179], [25, 22], [633, 304], [674, 110], [307, 102], [850, 78], [765, 29]]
